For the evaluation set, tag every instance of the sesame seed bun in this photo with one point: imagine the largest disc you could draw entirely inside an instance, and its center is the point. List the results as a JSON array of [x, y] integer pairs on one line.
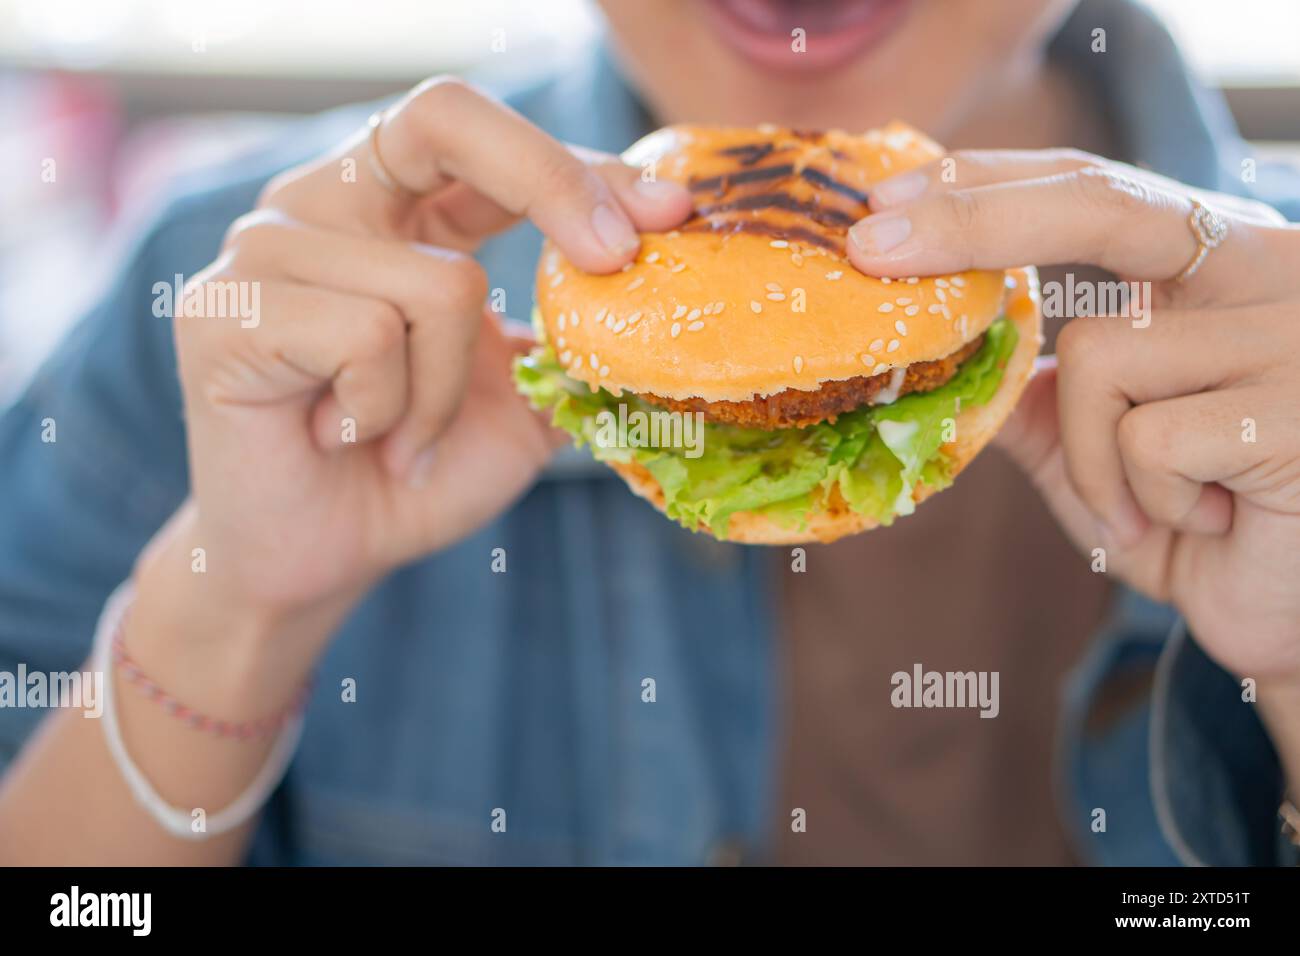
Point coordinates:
[[830, 517], [753, 295]]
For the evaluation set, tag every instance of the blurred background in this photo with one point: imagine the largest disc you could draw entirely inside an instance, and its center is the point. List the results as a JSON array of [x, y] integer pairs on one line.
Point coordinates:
[[132, 93]]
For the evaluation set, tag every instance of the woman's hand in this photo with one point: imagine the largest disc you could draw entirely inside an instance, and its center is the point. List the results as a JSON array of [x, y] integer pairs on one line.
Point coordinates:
[[1173, 445], [366, 416]]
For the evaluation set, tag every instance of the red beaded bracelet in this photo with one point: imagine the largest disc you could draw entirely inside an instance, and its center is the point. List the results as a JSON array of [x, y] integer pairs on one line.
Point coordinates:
[[246, 730]]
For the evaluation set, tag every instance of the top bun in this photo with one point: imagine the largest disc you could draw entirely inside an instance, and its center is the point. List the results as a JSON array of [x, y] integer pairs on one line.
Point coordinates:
[[753, 294]]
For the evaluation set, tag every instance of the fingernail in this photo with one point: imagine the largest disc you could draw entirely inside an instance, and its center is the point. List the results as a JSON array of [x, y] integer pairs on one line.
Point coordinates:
[[421, 467], [614, 231], [658, 190], [878, 234], [900, 188]]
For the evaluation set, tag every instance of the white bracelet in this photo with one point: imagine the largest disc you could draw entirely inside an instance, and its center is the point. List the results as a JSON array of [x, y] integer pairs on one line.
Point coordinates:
[[175, 820]]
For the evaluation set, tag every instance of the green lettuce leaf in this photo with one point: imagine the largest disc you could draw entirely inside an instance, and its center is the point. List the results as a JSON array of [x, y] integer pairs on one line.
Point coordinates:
[[876, 455]]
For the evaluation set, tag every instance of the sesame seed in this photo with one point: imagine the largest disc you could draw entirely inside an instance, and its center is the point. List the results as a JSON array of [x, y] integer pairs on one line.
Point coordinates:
[[893, 345], [886, 280], [779, 244], [958, 281], [694, 326], [941, 295], [776, 296], [912, 310], [653, 257], [600, 316], [708, 308], [877, 345], [867, 359], [565, 356], [574, 319], [755, 306], [903, 300], [636, 283], [561, 343], [834, 275], [676, 330], [678, 268], [798, 364], [963, 326], [595, 362], [620, 325], [610, 321], [604, 370], [947, 313], [885, 307], [941, 283], [695, 314], [634, 318], [672, 235], [934, 309], [772, 287], [900, 327], [913, 280], [626, 267], [681, 310], [718, 307], [557, 279], [956, 293], [559, 323], [797, 259]]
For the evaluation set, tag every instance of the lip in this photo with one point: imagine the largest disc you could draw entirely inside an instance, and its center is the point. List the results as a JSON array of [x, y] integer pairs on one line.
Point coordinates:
[[836, 30]]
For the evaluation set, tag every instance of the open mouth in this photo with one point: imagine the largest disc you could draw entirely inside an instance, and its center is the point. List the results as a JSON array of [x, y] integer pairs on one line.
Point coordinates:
[[767, 32]]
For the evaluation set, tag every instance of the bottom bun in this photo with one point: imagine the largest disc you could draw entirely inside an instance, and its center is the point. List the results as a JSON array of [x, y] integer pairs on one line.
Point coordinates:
[[831, 518]]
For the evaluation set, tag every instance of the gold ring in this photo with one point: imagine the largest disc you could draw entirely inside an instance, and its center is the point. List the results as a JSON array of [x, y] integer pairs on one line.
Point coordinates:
[[1209, 229], [377, 164]]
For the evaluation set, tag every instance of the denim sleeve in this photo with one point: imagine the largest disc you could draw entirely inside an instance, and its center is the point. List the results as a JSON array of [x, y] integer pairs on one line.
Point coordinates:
[[1187, 775], [92, 461], [1215, 778]]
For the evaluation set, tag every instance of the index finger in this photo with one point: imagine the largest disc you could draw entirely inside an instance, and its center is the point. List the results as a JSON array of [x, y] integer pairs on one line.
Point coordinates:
[[446, 133], [1097, 216]]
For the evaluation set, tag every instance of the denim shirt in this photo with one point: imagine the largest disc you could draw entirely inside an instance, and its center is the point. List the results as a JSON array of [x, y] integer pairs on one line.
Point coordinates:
[[479, 692]]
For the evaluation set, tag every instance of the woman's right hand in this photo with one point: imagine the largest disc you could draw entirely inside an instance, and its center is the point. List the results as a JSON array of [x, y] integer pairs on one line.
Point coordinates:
[[374, 326]]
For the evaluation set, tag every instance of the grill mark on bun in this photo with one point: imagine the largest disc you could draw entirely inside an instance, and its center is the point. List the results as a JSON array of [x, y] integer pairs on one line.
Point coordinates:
[[759, 227], [823, 215], [718, 185], [826, 181], [826, 221], [750, 153]]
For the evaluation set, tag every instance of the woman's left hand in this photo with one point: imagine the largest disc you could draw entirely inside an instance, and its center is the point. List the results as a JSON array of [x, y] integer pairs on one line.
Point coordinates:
[[1172, 441]]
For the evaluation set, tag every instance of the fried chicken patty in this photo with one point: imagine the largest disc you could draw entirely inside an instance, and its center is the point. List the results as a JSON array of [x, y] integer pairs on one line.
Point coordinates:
[[794, 408]]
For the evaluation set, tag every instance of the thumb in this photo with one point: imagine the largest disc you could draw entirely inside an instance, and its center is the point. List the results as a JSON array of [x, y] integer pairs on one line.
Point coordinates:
[[1032, 434], [1032, 437]]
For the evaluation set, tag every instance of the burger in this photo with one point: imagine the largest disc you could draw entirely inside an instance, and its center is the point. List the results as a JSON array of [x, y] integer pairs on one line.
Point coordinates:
[[745, 378]]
